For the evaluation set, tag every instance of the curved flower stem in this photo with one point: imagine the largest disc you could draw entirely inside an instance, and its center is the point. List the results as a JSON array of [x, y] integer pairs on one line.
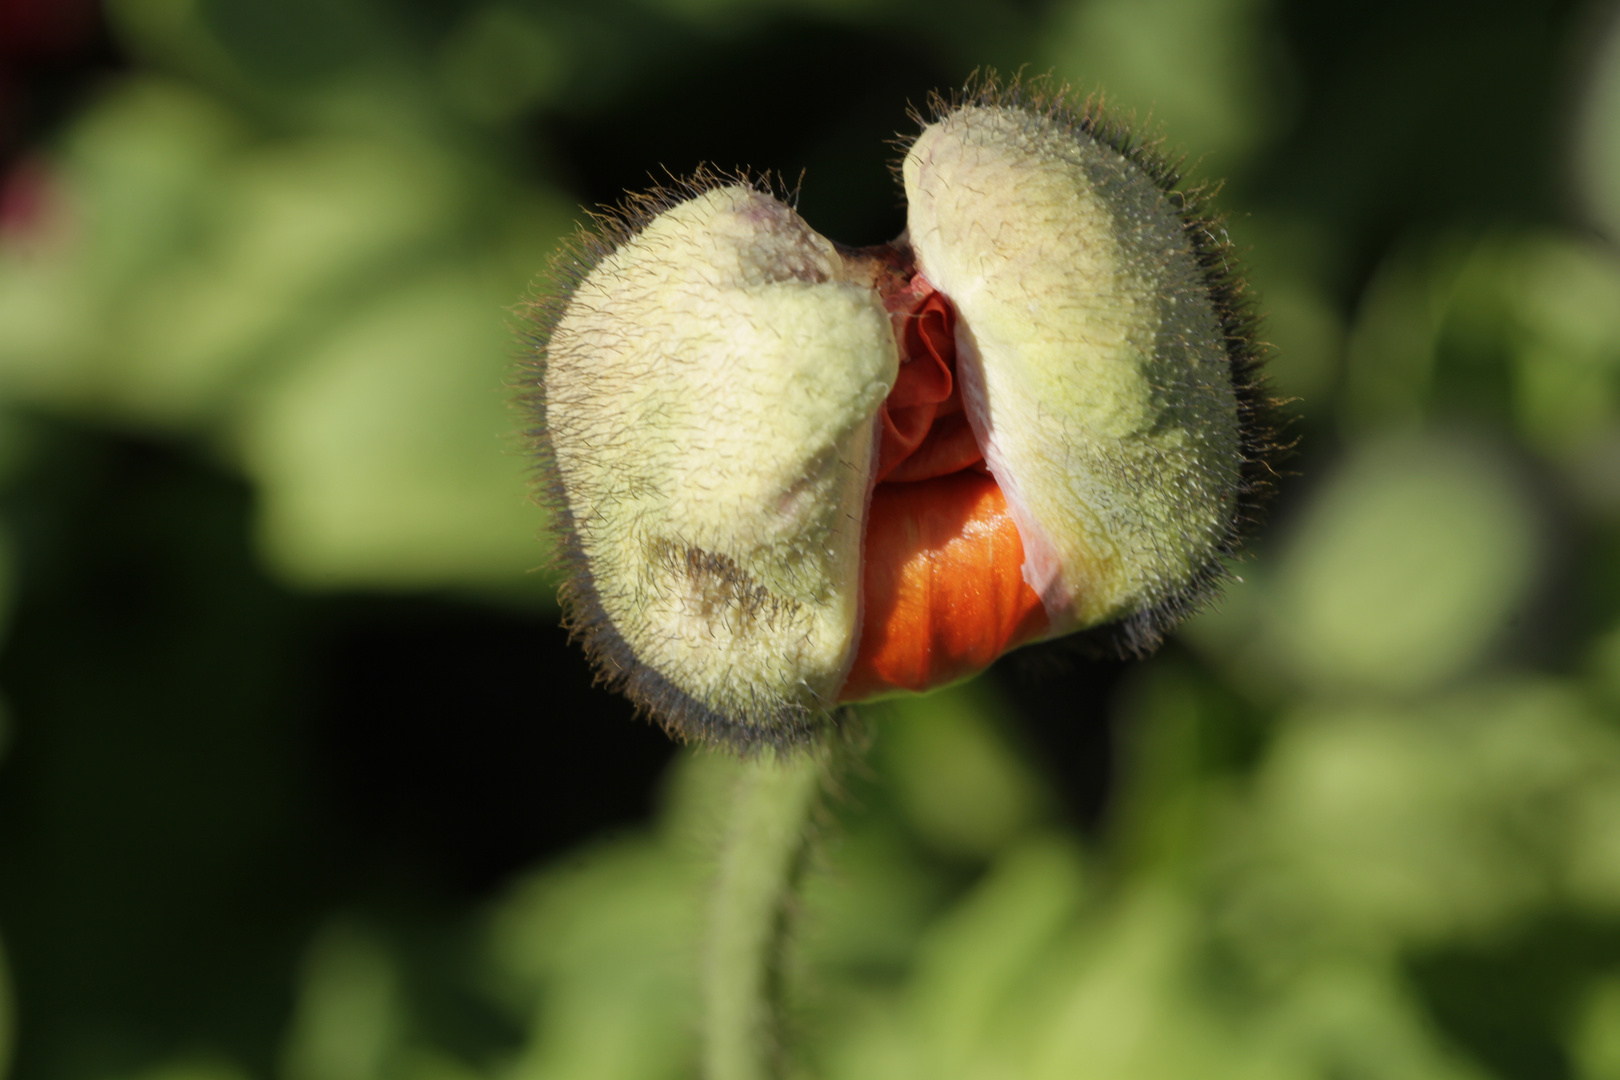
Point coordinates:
[[762, 858]]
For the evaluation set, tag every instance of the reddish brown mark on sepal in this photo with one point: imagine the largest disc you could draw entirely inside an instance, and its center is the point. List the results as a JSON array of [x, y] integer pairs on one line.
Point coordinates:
[[943, 591]]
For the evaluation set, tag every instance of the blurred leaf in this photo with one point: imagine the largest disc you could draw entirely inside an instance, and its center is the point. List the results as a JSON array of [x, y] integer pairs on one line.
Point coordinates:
[[389, 455], [1380, 827], [1591, 844], [1121, 992], [1598, 141], [1596, 1039], [1410, 560], [171, 34], [300, 233], [348, 1020], [190, 259], [136, 179], [503, 61], [311, 299], [864, 906], [967, 993], [976, 959], [1602, 663], [300, 41], [1204, 72], [1360, 1019], [1389, 364], [958, 781], [1160, 818], [599, 952], [1565, 300]]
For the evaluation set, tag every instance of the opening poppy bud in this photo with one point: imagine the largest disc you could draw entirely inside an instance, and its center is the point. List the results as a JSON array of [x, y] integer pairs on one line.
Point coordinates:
[[787, 474]]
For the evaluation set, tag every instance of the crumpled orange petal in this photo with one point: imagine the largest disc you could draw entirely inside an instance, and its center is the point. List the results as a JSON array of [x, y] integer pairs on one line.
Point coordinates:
[[943, 587]]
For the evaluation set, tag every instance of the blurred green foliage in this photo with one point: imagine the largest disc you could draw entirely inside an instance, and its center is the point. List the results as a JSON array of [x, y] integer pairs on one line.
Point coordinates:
[[1365, 818]]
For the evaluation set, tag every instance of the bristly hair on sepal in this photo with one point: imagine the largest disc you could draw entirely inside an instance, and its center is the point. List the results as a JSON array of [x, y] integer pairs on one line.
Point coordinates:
[[616, 665], [1260, 416]]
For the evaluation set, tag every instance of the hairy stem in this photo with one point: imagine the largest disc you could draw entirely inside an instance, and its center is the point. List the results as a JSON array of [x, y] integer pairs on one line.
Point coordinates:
[[764, 852]]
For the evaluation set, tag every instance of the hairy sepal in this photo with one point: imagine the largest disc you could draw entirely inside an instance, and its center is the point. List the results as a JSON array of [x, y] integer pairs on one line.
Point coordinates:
[[710, 390], [1095, 365]]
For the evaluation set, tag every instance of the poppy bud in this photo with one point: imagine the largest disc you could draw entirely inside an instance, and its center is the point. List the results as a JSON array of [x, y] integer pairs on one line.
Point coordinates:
[[786, 474]]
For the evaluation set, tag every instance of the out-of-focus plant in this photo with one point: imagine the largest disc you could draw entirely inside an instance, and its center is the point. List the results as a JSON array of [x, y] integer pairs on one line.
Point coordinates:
[[311, 283]]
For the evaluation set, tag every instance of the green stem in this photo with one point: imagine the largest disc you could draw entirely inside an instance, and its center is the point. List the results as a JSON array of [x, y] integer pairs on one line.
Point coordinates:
[[764, 851]]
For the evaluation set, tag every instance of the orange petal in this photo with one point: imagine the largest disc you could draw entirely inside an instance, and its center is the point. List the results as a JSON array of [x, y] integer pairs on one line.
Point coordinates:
[[944, 586]]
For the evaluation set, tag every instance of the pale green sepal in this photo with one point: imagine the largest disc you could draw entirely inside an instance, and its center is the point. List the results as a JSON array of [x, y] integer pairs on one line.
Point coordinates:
[[1090, 351], [710, 389]]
